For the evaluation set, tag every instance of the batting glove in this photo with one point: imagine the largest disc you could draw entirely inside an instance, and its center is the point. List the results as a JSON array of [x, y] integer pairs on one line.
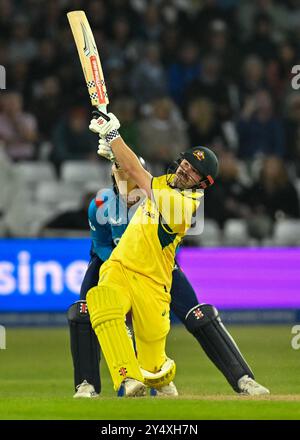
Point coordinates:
[[105, 150], [107, 130]]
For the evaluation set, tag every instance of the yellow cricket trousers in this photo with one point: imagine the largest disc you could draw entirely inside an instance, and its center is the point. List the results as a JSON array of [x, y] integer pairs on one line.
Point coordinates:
[[149, 303]]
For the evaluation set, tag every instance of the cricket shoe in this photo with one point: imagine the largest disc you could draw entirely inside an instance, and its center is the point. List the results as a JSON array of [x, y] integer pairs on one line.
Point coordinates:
[[85, 390], [169, 390], [249, 387], [132, 388]]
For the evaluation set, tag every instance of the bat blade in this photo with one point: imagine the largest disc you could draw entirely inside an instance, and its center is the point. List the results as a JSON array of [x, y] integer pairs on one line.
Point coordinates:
[[89, 58]]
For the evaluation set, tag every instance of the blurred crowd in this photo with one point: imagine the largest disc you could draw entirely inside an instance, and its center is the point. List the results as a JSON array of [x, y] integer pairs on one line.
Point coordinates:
[[179, 73]]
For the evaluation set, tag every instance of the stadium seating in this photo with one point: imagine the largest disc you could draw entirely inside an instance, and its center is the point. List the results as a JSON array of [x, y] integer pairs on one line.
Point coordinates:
[[211, 235], [83, 172], [35, 172], [235, 233], [56, 193], [287, 233]]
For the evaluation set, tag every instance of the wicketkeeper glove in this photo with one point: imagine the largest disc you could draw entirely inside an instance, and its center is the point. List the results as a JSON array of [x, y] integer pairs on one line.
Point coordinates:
[[107, 130], [105, 150]]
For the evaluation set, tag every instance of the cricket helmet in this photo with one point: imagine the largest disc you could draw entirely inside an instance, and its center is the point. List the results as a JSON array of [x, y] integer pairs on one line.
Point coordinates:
[[204, 161]]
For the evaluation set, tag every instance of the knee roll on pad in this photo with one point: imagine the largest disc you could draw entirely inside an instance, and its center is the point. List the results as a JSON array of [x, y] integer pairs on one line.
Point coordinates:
[[200, 315], [103, 305], [204, 322], [78, 312], [162, 377]]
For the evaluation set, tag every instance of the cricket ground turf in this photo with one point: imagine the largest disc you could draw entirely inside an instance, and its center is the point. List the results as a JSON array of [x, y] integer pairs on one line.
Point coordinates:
[[36, 380]]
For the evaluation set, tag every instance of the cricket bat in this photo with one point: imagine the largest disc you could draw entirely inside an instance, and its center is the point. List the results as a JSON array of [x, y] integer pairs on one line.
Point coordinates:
[[90, 61]]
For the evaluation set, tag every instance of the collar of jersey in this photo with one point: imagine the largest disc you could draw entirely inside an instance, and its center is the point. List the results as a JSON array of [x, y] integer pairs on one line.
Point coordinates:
[[192, 194]]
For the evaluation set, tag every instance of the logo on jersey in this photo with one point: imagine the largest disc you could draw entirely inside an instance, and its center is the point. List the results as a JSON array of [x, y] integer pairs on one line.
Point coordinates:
[[198, 313], [123, 371], [199, 154]]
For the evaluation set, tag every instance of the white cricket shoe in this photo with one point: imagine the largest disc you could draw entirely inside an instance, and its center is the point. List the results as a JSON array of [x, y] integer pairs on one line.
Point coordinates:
[[132, 388], [249, 387], [85, 390], [169, 390]]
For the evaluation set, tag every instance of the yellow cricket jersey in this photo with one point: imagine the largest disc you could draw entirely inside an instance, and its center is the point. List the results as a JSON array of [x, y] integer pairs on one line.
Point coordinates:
[[149, 243]]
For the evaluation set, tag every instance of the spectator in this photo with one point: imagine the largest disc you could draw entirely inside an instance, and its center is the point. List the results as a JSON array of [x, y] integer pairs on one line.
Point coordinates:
[[227, 198], [72, 140], [260, 132], [18, 130], [46, 105], [151, 24], [209, 12], [163, 133], [18, 79], [219, 46], [6, 17], [121, 47], [277, 12], [211, 85], [185, 70], [118, 78], [226, 65], [46, 62], [203, 126], [125, 109], [99, 15], [22, 46], [253, 77], [170, 41], [262, 42], [148, 79], [292, 129], [272, 197], [287, 57]]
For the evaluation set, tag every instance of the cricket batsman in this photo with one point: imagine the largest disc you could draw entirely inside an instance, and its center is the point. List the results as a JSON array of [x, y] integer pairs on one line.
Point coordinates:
[[138, 274], [108, 217]]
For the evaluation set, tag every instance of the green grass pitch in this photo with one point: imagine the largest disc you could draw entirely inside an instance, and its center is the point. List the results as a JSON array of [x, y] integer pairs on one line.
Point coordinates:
[[36, 380]]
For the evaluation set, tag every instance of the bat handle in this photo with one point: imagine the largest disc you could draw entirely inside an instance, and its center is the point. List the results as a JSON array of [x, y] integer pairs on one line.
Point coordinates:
[[97, 113]]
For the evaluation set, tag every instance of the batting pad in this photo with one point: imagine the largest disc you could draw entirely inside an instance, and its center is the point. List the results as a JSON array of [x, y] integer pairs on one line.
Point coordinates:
[[107, 319], [163, 377]]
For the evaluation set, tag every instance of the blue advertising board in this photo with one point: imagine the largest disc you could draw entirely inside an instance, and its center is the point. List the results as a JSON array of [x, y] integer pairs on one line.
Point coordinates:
[[41, 274]]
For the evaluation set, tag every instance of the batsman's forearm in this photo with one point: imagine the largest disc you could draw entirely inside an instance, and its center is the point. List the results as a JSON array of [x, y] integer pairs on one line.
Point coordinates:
[[126, 158]]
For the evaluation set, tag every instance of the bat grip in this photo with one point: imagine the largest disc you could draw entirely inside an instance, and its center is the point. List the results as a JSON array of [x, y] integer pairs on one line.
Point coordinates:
[[97, 113]]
